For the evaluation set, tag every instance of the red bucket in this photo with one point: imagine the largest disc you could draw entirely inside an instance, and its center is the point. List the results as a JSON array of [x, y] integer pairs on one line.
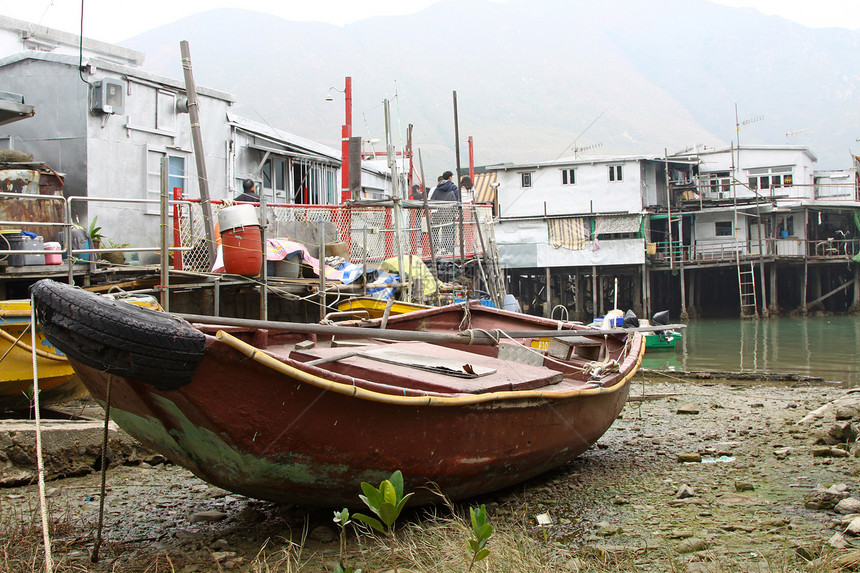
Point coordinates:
[[243, 250]]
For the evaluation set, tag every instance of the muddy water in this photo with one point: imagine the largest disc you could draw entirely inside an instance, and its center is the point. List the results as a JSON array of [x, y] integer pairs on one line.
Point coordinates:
[[821, 346]]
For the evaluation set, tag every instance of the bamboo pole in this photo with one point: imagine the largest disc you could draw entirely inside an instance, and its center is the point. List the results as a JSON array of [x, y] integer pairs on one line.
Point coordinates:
[[197, 141], [430, 240], [473, 337]]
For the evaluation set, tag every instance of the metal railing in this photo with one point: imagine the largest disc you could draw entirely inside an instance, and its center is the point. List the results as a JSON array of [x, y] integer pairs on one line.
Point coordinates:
[[72, 256], [728, 251], [368, 231]]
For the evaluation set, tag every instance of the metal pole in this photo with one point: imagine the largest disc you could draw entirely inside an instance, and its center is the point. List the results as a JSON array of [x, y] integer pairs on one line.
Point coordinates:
[[472, 161], [165, 262], [264, 270], [548, 310], [669, 208], [345, 194], [321, 262], [430, 240], [396, 209], [197, 141], [460, 200], [478, 336]]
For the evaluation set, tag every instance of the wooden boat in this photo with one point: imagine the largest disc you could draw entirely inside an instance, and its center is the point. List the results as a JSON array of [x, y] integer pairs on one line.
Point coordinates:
[[375, 308], [303, 413], [664, 339], [57, 382]]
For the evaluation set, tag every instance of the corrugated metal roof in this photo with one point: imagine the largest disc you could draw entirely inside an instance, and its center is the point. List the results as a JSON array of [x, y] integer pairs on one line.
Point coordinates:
[[484, 192], [283, 136]]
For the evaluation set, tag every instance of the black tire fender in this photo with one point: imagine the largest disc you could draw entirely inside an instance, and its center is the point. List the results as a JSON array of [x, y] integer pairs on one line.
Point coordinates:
[[117, 337]]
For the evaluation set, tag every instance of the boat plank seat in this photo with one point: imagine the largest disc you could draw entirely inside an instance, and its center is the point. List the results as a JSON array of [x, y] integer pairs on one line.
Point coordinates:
[[568, 347], [428, 367]]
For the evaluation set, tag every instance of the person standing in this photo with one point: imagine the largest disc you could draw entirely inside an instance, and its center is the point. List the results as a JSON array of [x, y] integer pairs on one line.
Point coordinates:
[[443, 218], [446, 189], [249, 192], [417, 193]]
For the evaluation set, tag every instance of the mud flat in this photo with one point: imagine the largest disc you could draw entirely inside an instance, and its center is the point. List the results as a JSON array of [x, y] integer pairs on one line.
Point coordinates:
[[696, 475]]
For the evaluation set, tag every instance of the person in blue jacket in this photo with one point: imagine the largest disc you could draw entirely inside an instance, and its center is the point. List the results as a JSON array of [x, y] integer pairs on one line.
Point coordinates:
[[441, 219], [446, 189]]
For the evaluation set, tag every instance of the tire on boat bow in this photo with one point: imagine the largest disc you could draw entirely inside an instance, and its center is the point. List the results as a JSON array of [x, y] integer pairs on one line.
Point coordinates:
[[116, 337]]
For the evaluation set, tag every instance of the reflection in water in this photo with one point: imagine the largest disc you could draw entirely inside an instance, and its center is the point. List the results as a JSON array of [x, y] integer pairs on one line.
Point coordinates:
[[825, 347]]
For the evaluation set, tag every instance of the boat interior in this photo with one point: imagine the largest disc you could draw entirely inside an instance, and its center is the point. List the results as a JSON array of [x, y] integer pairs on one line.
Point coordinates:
[[561, 364]]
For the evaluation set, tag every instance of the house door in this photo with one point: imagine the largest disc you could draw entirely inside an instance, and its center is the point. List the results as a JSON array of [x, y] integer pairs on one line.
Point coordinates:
[[753, 234]]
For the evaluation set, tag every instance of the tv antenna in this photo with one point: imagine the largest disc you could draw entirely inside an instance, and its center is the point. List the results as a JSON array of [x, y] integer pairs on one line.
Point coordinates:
[[577, 149], [789, 136], [581, 133], [738, 125]]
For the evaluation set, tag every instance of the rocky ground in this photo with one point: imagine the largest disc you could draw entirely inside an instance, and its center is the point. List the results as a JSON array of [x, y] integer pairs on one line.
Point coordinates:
[[696, 475]]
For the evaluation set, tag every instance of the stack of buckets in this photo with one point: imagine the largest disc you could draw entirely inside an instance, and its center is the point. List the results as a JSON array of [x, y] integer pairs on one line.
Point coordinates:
[[241, 240]]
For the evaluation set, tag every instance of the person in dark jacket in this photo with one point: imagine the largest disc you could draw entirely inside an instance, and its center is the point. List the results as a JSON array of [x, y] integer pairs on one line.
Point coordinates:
[[446, 190], [417, 193], [443, 219], [249, 192]]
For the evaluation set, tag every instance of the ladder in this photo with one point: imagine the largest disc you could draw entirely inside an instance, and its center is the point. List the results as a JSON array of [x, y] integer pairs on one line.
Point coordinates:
[[746, 284], [491, 257]]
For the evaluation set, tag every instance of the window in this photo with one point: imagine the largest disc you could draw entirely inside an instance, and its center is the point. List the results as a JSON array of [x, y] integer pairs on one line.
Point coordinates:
[[766, 178], [165, 111], [568, 176], [785, 226], [526, 179], [615, 173], [176, 177], [275, 175], [723, 228]]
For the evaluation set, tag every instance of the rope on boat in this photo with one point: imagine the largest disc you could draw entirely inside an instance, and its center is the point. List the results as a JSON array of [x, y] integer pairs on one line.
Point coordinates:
[[40, 462], [25, 347], [593, 369], [424, 400], [597, 369], [94, 558]]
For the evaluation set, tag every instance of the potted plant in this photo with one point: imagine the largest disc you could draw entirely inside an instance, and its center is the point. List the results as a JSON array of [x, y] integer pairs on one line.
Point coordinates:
[[114, 257]]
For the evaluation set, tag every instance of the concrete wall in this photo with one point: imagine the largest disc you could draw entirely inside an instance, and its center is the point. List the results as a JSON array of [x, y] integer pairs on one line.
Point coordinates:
[[593, 192], [749, 158], [524, 244]]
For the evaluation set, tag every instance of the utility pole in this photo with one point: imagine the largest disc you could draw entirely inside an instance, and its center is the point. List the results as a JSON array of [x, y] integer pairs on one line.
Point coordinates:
[[197, 141]]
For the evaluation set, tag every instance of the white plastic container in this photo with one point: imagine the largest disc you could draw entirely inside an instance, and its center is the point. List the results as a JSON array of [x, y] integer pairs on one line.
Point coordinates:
[[237, 216], [510, 303]]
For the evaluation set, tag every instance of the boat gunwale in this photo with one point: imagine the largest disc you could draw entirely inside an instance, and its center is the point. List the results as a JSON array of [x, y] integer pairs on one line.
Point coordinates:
[[265, 359]]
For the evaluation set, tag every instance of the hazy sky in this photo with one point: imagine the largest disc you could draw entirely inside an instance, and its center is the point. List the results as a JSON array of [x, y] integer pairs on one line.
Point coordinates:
[[113, 21]]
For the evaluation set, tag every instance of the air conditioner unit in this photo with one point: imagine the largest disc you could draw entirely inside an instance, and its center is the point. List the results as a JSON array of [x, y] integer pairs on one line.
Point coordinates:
[[109, 96]]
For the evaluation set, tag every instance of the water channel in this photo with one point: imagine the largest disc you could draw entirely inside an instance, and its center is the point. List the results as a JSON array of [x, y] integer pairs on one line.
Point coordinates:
[[821, 346]]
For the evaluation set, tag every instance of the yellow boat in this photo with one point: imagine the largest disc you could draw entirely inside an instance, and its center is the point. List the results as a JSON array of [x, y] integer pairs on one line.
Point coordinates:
[[375, 307], [57, 380]]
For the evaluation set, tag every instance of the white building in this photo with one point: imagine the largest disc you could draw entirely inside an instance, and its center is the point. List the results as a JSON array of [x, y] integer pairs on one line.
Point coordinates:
[[106, 123]]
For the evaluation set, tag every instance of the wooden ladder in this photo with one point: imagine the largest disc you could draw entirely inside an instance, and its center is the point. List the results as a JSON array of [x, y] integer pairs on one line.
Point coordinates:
[[494, 266], [746, 284]]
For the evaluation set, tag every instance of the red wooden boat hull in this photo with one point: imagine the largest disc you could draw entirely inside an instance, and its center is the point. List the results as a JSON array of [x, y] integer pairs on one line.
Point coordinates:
[[255, 423]]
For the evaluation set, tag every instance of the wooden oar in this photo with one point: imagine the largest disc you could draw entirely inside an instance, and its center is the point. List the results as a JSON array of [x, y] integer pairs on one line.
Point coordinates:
[[482, 337]]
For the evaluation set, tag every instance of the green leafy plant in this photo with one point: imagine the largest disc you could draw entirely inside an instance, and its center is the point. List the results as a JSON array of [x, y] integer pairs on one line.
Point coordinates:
[[481, 532], [386, 501], [95, 232], [341, 518]]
